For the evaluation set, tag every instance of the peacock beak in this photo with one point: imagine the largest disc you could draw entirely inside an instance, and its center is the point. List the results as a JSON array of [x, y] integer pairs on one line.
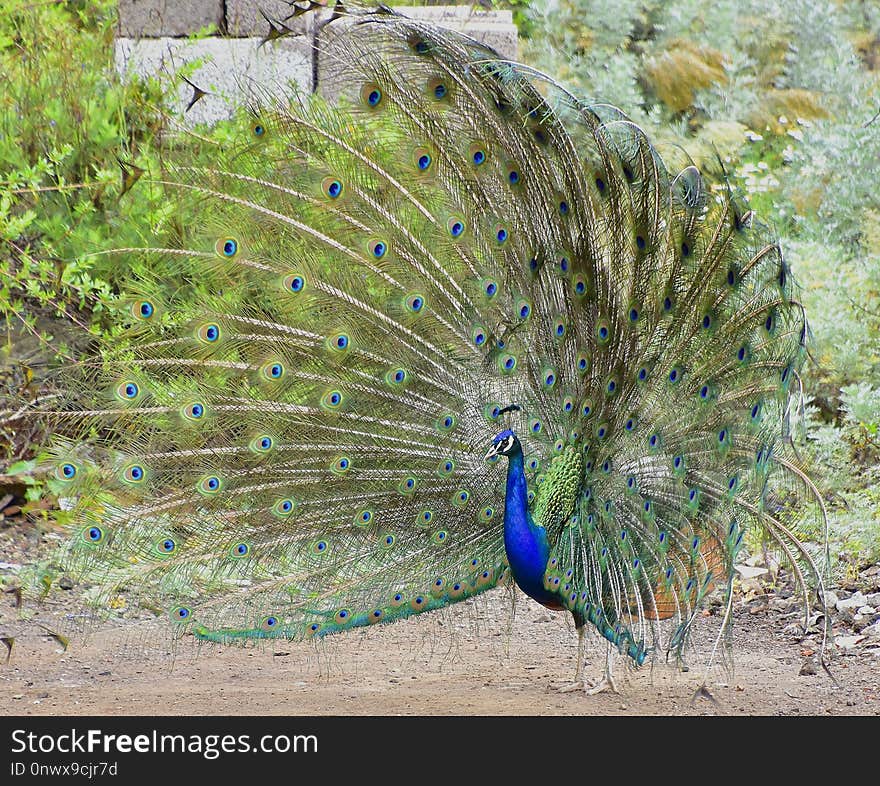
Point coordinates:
[[493, 451]]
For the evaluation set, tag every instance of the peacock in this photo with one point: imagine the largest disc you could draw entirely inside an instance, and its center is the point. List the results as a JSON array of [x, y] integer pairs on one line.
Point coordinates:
[[456, 328]]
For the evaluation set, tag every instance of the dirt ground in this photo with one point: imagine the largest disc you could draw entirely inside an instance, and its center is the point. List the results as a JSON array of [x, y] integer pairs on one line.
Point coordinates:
[[480, 657]]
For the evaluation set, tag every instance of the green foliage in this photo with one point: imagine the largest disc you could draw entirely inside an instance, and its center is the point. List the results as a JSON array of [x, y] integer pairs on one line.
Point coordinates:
[[64, 124], [785, 94]]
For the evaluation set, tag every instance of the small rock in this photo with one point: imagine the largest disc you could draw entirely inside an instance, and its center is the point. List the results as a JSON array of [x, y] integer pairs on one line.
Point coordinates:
[[749, 571], [865, 611], [779, 604], [873, 599], [808, 668], [66, 583], [853, 602], [872, 631], [831, 598], [848, 642], [543, 618]]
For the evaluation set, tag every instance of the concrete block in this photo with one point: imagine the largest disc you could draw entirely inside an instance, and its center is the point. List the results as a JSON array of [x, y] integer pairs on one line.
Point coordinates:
[[155, 18], [234, 71], [455, 14], [493, 28], [243, 17]]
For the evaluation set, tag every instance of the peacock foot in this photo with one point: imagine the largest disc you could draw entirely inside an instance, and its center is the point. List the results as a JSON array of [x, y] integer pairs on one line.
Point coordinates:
[[571, 687], [605, 684]]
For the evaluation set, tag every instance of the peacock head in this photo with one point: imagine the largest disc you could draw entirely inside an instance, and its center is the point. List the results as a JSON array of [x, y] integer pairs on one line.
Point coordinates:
[[504, 444]]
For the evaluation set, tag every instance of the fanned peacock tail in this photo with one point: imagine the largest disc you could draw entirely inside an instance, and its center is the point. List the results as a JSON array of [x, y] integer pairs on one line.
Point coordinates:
[[456, 248]]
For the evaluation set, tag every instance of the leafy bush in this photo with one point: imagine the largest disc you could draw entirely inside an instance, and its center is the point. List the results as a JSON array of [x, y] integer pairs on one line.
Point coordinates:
[[785, 94]]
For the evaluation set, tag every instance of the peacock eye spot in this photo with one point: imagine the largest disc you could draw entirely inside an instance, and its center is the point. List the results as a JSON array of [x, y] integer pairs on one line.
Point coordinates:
[[424, 161], [146, 309], [334, 189], [439, 91], [230, 247], [374, 97], [379, 250], [513, 177], [479, 157], [297, 283], [501, 235]]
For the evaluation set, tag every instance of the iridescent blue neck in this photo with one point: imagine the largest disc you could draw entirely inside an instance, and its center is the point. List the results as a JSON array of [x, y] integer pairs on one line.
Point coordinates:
[[525, 542]]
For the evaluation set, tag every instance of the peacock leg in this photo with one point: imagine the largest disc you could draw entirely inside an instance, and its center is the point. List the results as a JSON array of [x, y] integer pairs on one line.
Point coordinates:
[[607, 682], [579, 682]]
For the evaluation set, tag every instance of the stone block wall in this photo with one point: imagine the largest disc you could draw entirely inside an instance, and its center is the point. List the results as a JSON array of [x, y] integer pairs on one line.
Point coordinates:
[[235, 64]]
